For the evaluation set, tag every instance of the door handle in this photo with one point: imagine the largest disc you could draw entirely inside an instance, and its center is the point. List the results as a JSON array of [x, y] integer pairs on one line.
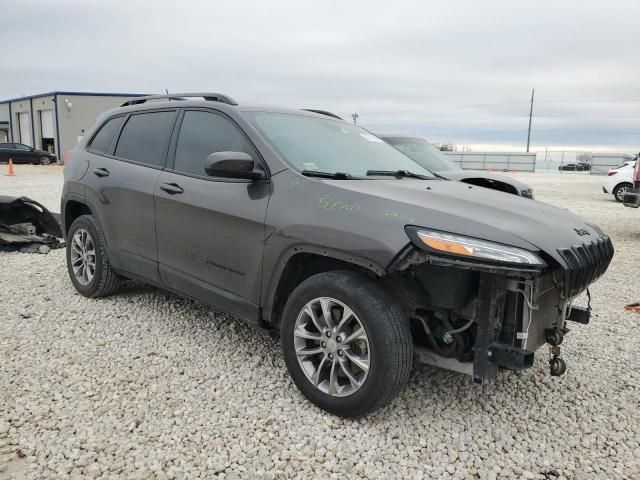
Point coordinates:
[[171, 188], [101, 172]]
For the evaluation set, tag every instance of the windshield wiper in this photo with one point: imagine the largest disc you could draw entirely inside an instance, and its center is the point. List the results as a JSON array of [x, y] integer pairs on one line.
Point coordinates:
[[398, 173], [336, 175]]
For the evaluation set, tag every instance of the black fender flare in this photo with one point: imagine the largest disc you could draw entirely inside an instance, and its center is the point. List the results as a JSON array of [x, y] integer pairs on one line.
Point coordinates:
[[270, 287]]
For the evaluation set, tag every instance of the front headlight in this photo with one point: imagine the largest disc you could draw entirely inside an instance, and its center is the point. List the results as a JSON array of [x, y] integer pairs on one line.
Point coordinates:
[[471, 248]]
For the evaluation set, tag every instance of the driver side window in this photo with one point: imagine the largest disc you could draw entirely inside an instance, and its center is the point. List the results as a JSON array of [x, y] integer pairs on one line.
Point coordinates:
[[203, 133]]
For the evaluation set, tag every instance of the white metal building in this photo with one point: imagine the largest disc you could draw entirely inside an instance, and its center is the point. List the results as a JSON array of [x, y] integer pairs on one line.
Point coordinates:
[[54, 121]]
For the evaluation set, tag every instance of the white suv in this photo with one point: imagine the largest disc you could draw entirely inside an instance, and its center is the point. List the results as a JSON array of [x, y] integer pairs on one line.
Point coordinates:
[[619, 179]]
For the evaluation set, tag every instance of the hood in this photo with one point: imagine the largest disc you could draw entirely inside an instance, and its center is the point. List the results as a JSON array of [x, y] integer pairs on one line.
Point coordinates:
[[461, 175], [474, 211]]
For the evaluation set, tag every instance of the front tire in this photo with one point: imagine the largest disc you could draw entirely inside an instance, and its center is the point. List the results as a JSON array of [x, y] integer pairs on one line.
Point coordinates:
[[346, 343], [87, 261], [618, 192], [44, 160]]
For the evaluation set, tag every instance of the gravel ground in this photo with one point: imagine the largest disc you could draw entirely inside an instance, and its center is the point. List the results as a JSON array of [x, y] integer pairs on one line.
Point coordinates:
[[145, 384]]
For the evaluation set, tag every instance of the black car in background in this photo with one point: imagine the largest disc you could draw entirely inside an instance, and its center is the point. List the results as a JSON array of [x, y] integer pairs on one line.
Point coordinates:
[[21, 153], [575, 167], [427, 156]]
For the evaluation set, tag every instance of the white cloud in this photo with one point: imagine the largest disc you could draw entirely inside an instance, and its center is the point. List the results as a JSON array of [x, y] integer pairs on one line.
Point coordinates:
[[459, 71]]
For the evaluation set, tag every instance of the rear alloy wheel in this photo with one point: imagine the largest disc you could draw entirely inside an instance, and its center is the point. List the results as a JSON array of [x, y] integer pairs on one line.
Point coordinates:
[[346, 343], [87, 261], [618, 192], [44, 160], [83, 256]]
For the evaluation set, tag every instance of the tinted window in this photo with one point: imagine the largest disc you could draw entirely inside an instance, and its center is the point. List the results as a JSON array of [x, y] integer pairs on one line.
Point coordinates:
[[102, 140], [203, 133], [6, 146], [20, 146], [145, 137]]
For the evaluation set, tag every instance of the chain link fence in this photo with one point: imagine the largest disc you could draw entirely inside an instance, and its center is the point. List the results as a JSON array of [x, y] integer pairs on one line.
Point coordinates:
[[593, 163], [500, 161], [562, 161]]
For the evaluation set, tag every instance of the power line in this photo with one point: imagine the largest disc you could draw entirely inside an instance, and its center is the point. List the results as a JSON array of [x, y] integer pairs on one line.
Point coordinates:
[[442, 107], [533, 91], [478, 105]]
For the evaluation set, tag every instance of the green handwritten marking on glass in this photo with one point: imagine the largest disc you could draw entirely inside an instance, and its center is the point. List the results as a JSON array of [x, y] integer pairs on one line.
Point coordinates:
[[329, 203], [401, 216], [297, 183]]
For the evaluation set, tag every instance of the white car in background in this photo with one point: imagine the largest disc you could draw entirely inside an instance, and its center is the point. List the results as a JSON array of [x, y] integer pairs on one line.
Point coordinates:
[[619, 179]]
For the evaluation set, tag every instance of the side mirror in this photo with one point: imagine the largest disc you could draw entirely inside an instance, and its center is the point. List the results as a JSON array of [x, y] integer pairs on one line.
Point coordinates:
[[232, 165]]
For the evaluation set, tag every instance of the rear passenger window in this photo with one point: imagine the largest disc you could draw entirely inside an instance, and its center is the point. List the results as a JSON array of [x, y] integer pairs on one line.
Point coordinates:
[[102, 140], [203, 133], [145, 138]]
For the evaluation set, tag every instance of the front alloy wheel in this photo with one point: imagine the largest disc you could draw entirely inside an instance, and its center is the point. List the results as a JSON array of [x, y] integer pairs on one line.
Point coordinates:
[[44, 160], [332, 347], [346, 342]]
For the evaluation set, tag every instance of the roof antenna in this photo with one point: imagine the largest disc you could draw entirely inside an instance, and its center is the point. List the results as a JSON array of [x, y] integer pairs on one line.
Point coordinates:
[[167, 91]]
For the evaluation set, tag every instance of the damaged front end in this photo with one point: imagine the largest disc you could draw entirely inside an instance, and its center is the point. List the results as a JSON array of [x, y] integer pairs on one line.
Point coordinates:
[[476, 312], [27, 225]]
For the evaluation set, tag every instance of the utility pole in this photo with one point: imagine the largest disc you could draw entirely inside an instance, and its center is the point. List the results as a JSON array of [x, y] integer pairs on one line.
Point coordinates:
[[355, 116], [533, 91]]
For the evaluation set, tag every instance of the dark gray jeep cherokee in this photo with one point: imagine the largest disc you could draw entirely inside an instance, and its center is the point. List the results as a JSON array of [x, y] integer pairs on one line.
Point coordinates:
[[315, 230]]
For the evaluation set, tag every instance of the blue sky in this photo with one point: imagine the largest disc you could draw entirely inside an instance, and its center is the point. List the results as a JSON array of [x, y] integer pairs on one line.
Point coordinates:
[[454, 71]]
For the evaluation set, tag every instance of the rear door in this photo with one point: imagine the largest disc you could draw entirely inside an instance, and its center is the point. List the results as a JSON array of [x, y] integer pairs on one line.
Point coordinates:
[[211, 230], [127, 156]]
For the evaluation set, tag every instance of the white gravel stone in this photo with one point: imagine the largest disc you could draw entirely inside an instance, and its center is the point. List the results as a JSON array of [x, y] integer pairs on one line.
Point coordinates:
[[147, 384]]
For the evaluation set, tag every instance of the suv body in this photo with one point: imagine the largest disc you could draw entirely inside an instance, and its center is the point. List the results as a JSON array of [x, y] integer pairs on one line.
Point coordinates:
[[244, 208], [20, 153], [425, 154]]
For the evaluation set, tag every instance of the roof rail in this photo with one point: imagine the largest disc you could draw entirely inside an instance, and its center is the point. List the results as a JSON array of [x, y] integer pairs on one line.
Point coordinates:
[[323, 112], [211, 97]]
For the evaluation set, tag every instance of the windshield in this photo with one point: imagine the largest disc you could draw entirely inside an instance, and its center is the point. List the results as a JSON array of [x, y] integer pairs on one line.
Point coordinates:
[[325, 145], [423, 153]]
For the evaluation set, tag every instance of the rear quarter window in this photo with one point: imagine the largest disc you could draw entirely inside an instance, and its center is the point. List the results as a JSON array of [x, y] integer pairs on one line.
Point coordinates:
[[102, 140], [145, 138]]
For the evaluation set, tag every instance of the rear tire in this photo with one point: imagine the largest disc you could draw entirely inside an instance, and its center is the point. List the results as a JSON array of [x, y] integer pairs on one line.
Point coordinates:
[[87, 261], [385, 346], [618, 192]]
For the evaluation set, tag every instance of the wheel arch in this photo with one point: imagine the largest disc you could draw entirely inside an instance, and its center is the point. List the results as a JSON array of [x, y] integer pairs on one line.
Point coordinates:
[[300, 263], [619, 184], [73, 209]]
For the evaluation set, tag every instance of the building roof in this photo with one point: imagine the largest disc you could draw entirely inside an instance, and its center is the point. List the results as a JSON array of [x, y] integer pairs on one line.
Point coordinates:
[[84, 94]]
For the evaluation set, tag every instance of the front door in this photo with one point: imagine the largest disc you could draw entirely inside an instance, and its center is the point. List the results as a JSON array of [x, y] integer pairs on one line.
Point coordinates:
[[210, 230]]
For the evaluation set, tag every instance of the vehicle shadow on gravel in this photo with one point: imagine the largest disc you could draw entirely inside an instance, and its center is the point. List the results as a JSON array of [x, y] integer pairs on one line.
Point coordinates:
[[446, 391]]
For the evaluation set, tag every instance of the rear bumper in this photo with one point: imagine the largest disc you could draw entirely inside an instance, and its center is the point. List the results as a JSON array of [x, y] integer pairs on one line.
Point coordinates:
[[631, 198]]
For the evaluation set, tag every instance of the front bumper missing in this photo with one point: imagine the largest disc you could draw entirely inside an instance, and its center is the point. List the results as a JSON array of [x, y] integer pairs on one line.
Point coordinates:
[[509, 332]]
